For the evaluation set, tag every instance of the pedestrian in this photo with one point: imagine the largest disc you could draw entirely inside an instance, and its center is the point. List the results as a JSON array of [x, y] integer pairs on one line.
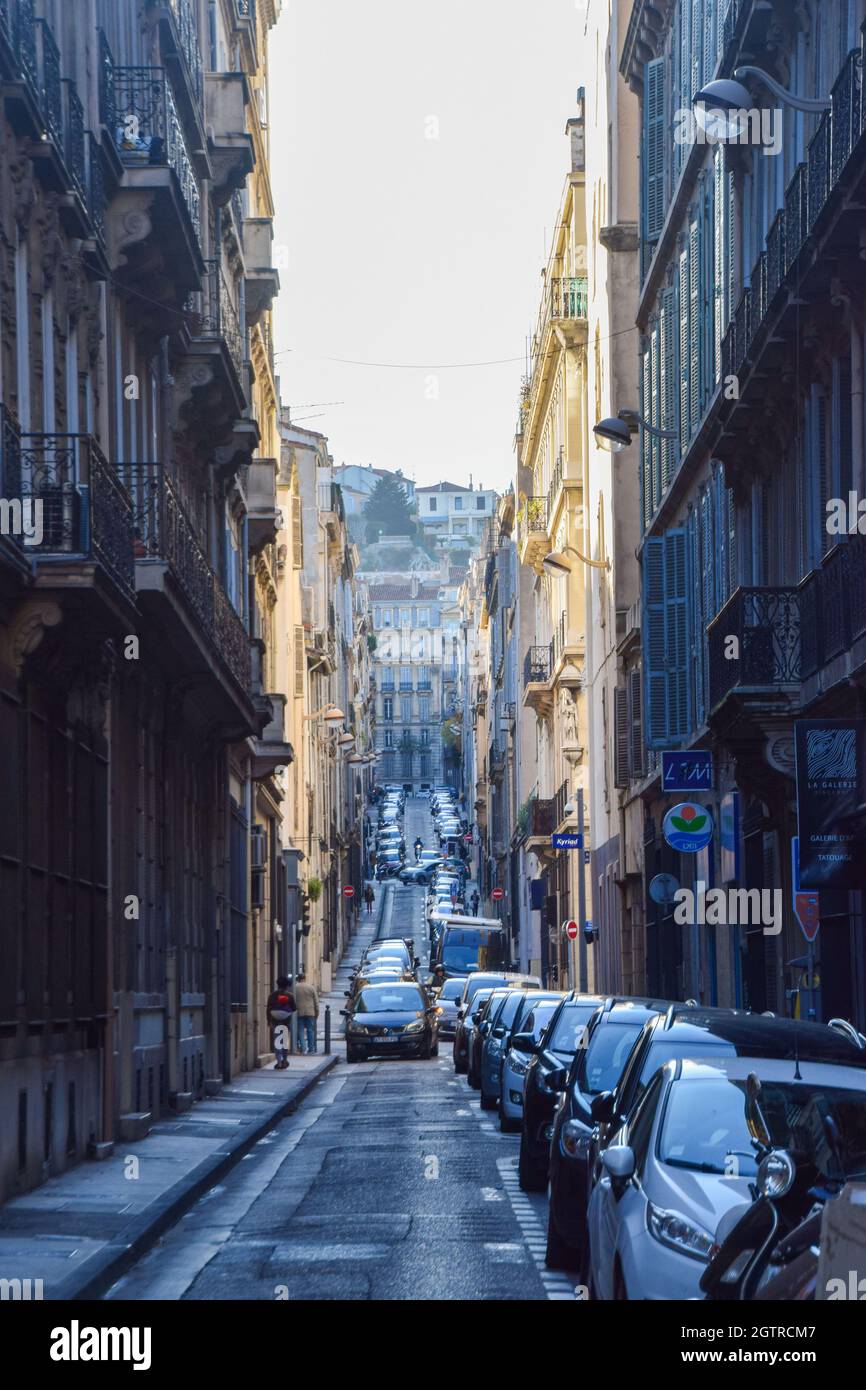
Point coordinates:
[[307, 999], [419, 845], [475, 901], [369, 897], [281, 1006]]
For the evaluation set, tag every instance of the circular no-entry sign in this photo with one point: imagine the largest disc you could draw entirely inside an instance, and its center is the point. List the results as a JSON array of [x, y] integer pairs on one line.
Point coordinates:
[[348, 891], [497, 893], [571, 930]]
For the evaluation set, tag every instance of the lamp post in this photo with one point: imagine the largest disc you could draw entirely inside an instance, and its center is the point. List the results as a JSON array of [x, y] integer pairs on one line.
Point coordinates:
[[731, 95], [614, 433]]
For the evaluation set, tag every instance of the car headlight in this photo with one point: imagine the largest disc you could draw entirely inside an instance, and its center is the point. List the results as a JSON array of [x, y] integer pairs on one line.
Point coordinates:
[[354, 1027], [672, 1229], [518, 1066], [574, 1139], [416, 1027]]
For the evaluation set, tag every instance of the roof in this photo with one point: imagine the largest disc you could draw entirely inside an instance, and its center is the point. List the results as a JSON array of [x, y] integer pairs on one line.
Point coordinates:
[[769, 1069], [444, 487], [383, 592], [783, 1038], [457, 573]]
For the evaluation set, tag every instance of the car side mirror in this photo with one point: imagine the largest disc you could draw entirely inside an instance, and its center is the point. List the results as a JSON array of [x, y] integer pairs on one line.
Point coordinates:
[[523, 1042], [602, 1108], [345, 1013], [557, 1080], [618, 1163]]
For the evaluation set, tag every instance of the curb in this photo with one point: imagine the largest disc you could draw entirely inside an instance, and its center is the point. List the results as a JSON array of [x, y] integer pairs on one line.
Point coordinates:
[[386, 913], [142, 1234]]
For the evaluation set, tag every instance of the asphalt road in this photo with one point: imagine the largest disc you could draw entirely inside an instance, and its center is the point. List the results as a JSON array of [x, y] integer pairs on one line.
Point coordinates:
[[388, 1183]]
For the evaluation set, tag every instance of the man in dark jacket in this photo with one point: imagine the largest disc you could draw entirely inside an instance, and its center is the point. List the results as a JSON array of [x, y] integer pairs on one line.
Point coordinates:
[[281, 1006]]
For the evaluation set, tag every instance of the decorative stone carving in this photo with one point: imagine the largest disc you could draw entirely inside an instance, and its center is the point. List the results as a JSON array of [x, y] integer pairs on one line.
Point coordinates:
[[51, 242], [23, 634], [127, 223], [23, 191]]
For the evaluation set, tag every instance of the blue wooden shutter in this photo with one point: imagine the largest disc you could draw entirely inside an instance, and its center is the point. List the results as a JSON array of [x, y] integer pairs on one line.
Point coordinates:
[[677, 602], [654, 147], [685, 358], [696, 46], [695, 364], [693, 553], [654, 416], [669, 379], [654, 643], [645, 442], [718, 226]]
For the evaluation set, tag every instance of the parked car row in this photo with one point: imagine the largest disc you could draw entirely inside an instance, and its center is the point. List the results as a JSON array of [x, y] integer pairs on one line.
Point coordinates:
[[390, 844], [666, 1133]]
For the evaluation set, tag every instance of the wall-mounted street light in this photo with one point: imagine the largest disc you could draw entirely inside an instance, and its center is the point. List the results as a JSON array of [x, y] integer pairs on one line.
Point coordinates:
[[330, 713], [558, 564], [731, 95], [615, 432]]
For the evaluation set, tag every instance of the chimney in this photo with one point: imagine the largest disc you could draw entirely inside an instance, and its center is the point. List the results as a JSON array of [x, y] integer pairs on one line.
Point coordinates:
[[574, 129]]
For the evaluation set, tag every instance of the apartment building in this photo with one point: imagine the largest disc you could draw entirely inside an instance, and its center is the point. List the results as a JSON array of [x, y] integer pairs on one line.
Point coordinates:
[[454, 515]]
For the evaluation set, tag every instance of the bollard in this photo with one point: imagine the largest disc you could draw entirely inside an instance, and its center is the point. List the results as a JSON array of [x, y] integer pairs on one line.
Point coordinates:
[[327, 1030]]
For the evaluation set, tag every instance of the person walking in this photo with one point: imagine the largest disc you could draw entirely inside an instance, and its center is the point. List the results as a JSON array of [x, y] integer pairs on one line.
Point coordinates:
[[419, 845], [475, 901], [369, 897], [307, 1000], [280, 1007]]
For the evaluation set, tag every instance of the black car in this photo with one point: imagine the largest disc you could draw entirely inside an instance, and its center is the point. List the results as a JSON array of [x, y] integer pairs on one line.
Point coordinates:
[[482, 1022], [604, 1050], [555, 1051], [466, 1013], [390, 1018]]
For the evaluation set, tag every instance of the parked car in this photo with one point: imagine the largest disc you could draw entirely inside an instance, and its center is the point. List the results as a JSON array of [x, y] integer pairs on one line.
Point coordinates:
[[414, 874], [394, 1017], [610, 1035], [525, 1037], [555, 1052], [388, 864], [446, 998], [686, 1161], [520, 999], [480, 979], [482, 1021]]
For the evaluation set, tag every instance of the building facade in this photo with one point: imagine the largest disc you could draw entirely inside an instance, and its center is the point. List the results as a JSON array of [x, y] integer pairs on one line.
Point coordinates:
[[751, 315], [455, 516], [409, 668]]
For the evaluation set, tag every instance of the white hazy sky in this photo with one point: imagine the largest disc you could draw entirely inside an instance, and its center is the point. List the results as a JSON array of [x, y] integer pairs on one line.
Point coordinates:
[[405, 249]]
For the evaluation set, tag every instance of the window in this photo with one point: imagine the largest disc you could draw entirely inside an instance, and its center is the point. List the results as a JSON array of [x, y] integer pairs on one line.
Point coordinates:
[[386, 617], [377, 617], [405, 677], [425, 737], [389, 738], [388, 709], [641, 1126], [424, 708], [433, 505], [460, 528], [406, 709], [458, 504], [405, 616], [479, 502], [423, 617]]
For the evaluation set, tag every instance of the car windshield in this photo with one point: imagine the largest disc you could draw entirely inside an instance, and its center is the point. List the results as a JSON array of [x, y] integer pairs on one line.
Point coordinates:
[[452, 989], [604, 1059], [471, 988], [707, 1124], [570, 1027], [472, 948], [386, 999], [538, 1019]]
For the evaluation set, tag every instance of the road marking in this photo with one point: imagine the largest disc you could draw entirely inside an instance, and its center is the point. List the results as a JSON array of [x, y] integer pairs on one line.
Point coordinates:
[[492, 1194], [557, 1286]]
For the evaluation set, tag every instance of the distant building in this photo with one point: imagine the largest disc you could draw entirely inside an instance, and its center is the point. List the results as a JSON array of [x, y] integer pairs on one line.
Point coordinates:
[[357, 482], [409, 676], [456, 515]]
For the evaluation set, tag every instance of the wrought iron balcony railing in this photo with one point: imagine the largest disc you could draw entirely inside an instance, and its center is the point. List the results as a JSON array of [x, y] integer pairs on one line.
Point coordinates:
[[833, 605], [165, 533], [247, 10], [187, 29], [541, 820], [71, 499], [138, 108], [766, 626], [48, 66], [536, 666], [566, 297], [96, 195], [532, 518], [75, 139], [211, 314]]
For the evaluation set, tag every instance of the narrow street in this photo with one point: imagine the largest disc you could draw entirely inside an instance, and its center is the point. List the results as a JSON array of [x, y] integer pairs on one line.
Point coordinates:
[[388, 1183]]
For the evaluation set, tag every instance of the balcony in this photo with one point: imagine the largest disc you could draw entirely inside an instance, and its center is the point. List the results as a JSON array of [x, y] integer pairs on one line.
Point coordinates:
[[245, 25], [755, 650], [540, 825], [563, 311], [833, 610], [182, 52], [271, 749], [230, 145], [496, 759], [211, 381], [154, 225], [537, 693], [566, 654], [532, 538], [203, 636], [263, 516], [77, 519], [262, 280]]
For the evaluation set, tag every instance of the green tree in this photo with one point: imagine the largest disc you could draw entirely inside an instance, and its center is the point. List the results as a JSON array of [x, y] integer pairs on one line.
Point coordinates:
[[387, 511]]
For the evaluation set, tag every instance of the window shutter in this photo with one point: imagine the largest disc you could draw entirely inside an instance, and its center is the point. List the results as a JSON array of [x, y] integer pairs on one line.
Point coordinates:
[[300, 660], [653, 634], [840, 453], [655, 415], [709, 39], [654, 146], [695, 364], [696, 47], [668, 356], [685, 358], [620, 716], [636, 761], [646, 442], [676, 607], [693, 550], [719, 317], [297, 535]]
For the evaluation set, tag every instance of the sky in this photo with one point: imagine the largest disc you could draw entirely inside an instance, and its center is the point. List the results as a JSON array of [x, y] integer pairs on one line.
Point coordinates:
[[418, 155]]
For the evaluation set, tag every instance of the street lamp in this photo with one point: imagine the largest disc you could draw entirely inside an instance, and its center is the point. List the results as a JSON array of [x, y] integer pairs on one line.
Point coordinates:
[[731, 95], [330, 713], [557, 562], [614, 433]]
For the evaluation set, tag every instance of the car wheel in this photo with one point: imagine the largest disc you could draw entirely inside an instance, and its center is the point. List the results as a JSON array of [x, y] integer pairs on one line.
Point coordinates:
[[488, 1102], [459, 1065], [352, 1055], [424, 1054], [559, 1254], [436, 1050], [529, 1175]]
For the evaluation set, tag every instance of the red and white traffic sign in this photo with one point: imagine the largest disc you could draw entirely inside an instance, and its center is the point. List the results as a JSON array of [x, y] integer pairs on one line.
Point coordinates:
[[497, 893], [348, 891], [571, 930], [468, 839]]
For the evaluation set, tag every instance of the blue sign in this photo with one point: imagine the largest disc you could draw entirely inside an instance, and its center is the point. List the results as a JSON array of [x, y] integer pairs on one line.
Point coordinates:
[[564, 841], [687, 772], [729, 837], [662, 888], [688, 827]]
